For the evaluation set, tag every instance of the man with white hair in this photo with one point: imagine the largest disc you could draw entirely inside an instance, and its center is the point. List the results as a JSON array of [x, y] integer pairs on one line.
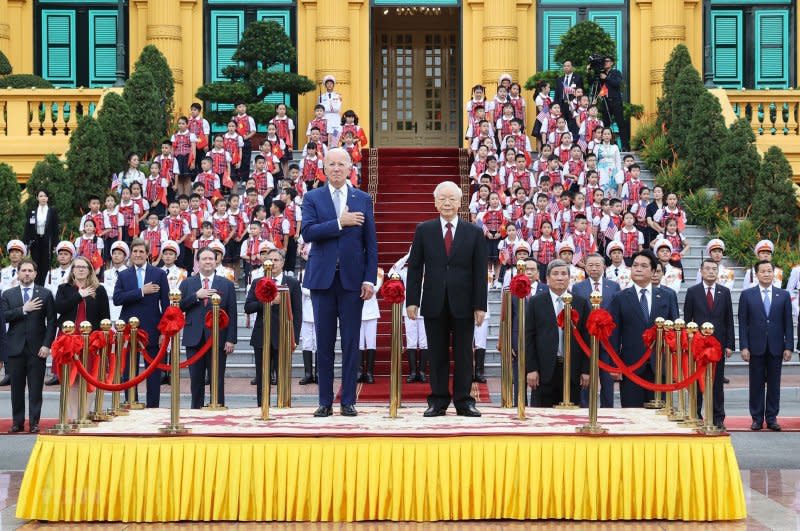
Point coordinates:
[[452, 297]]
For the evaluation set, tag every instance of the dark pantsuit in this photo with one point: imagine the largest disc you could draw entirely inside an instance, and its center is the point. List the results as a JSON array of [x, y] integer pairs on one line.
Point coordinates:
[[153, 381], [29, 368], [347, 303], [765, 371], [438, 330], [41, 253], [197, 371]]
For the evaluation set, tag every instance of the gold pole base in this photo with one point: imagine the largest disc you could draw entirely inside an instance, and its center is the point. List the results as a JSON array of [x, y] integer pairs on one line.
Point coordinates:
[[83, 423], [692, 423], [100, 417], [676, 417], [174, 429], [62, 429], [654, 404], [133, 406], [265, 419], [665, 411], [566, 405], [591, 429], [215, 407], [118, 412], [710, 430]]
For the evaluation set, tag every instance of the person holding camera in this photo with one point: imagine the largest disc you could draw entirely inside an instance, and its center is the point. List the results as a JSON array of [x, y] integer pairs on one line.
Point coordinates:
[[611, 84]]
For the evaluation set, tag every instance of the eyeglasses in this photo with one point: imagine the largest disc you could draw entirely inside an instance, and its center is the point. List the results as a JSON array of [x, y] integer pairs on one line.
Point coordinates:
[[79, 267]]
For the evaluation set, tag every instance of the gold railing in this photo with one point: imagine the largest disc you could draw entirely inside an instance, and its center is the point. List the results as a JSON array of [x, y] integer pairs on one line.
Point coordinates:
[[770, 112]]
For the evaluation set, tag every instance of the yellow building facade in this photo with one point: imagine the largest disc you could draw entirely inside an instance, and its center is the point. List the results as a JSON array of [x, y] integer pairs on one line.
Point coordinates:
[[406, 68]]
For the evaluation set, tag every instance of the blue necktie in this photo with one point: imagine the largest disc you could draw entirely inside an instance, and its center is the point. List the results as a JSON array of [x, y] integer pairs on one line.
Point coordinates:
[[767, 302], [643, 302], [26, 296], [140, 276]]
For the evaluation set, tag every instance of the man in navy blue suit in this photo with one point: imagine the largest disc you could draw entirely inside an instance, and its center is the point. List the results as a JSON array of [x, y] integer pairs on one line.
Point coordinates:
[[766, 335], [341, 273], [143, 292], [634, 310], [597, 281], [196, 292]]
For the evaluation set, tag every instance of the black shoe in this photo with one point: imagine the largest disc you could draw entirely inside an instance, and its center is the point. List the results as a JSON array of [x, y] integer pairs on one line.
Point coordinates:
[[253, 382], [726, 381], [755, 426], [35, 428], [323, 411], [53, 380], [165, 379], [412, 366], [722, 426], [774, 426], [307, 379], [16, 428], [433, 411], [468, 411], [369, 377], [5, 381], [480, 358], [420, 377], [348, 411]]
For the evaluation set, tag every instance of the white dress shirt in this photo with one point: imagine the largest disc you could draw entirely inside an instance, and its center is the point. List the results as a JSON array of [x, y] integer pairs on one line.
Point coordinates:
[[41, 219], [556, 299], [444, 223]]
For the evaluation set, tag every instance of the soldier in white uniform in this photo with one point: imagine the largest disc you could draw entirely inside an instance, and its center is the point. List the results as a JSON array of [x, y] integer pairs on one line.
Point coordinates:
[[416, 340], [120, 252], [479, 342], [618, 271], [16, 251], [308, 336], [332, 101], [566, 250], [673, 276], [715, 249], [370, 313], [793, 287], [522, 250], [170, 252], [763, 251], [65, 253], [219, 252]]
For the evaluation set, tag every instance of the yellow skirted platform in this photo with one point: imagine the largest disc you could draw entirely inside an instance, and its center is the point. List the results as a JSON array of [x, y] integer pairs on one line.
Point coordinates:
[[156, 479]]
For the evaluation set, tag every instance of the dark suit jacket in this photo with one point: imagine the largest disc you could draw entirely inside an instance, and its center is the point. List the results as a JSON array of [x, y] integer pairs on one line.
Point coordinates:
[[609, 290], [763, 333], [541, 337], [3, 345], [614, 82], [577, 80], [253, 305], [541, 287], [695, 308], [36, 329], [196, 310], [354, 249], [147, 308], [50, 227], [673, 299], [68, 298], [631, 323], [462, 276]]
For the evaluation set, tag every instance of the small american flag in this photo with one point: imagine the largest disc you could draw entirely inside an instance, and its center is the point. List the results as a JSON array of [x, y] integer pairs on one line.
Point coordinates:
[[610, 231], [543, 116], [116, 182], [583, 145]]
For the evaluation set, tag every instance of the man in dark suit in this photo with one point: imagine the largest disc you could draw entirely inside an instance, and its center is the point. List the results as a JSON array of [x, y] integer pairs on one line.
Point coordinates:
[[143, 292], [41, 234], [597, 281], [612, 80], [253, 305], [196, 292], [537, 287], [711, 302], [766, 336], [31, 316], [565, 92], [341, 273], [452, 255], [544, 341], [634, 310]]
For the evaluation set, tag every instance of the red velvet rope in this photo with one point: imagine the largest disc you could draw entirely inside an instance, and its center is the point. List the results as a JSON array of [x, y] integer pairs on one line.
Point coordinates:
[[125, 385], [223, 323]]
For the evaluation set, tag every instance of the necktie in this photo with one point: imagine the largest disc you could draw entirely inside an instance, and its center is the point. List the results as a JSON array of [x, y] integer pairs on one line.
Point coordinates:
[[709, 298], [643, 303], [26, 295], [597, 287], [337, 202], [140, 276], [559, 309], [13, 273], [767, 302], [448, 238], [205, 286], [616, 272], [62, 273]]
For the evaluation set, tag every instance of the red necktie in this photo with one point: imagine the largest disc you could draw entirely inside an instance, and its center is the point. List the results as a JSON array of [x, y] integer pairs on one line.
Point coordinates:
[[597, 287], [448, 239], [709, 299], [205, 286]]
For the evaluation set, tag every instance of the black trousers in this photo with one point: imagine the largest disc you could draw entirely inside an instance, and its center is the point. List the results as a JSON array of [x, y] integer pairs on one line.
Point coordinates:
[[244, 168], [42, 254], [613, 109], [630, 394], [765, 371], [439, 329], [273, 368], [153, 381], [719, 395], [197, 372], [26, 368]]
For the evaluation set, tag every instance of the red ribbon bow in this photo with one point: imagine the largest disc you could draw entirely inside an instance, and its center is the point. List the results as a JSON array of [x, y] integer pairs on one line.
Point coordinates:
[[393, 291], [171, 322], [520, 286], [266, 290], [223, 319], [65, 347], [574, 316], [600, 324]]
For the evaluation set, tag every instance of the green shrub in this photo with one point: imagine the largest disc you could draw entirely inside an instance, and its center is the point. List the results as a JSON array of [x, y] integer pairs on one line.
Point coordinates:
[[740, 237], [678, 60], [87, 162], [688, 89], [702, 208], [657, 153], [644, 134], [152, 60], [5, 65], [10, 204], [24, 81], [147, 118], [632, 110], [702, 143], [775, 210], [114, 118], [551, 76], [738, 167], [582, 40], [51, 174], [673, 179], [786, 257]]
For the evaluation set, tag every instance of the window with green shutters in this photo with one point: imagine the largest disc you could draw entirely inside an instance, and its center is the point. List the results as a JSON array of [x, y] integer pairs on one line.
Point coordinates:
[[58, 47], [556, 24], [102, 47], [772, 49], [726, 36]]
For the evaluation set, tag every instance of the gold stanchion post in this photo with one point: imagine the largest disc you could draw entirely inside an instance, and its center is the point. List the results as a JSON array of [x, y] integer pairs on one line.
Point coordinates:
[[83, 399], [133, 359], [119, 345], [506, 372], [214, 405], [522, 374], [397, 348], [592, 427], [658, 402], [708, 427], [64, 426], [680, 413], [566, 402], [266, 320], [669, 407], [692, 420], [284, 357], [175, 427], [99, 414]]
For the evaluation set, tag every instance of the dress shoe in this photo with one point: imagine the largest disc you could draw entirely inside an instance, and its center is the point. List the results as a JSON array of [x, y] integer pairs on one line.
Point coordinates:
[[16, 429], [307, 379], [433, 411], [755, 426], [5, 381], [348, 411], [323, 411], [726, 381], [165, 378], [774, 426], [253, 382], [411, 378], [35, 428], [468, 411], [722, 426], [53, 380]]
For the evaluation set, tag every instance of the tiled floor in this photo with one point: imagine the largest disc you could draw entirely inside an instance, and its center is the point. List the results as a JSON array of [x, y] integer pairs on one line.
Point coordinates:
[[773, 502]]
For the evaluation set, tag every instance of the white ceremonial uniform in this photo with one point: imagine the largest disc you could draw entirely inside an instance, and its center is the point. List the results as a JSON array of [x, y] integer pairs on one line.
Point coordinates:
[[175, 275], [8, 278], [370, 313], [620, 274], [482, 331], [332, 101], [56, 277], [109, 281]]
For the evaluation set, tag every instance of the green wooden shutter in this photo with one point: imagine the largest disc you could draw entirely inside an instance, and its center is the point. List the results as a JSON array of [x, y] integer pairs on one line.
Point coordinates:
[[772, 49], [282, 18], [226, 31], [58, 46], [102, 47], [611, 22], [727, 51], [556, 24]]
